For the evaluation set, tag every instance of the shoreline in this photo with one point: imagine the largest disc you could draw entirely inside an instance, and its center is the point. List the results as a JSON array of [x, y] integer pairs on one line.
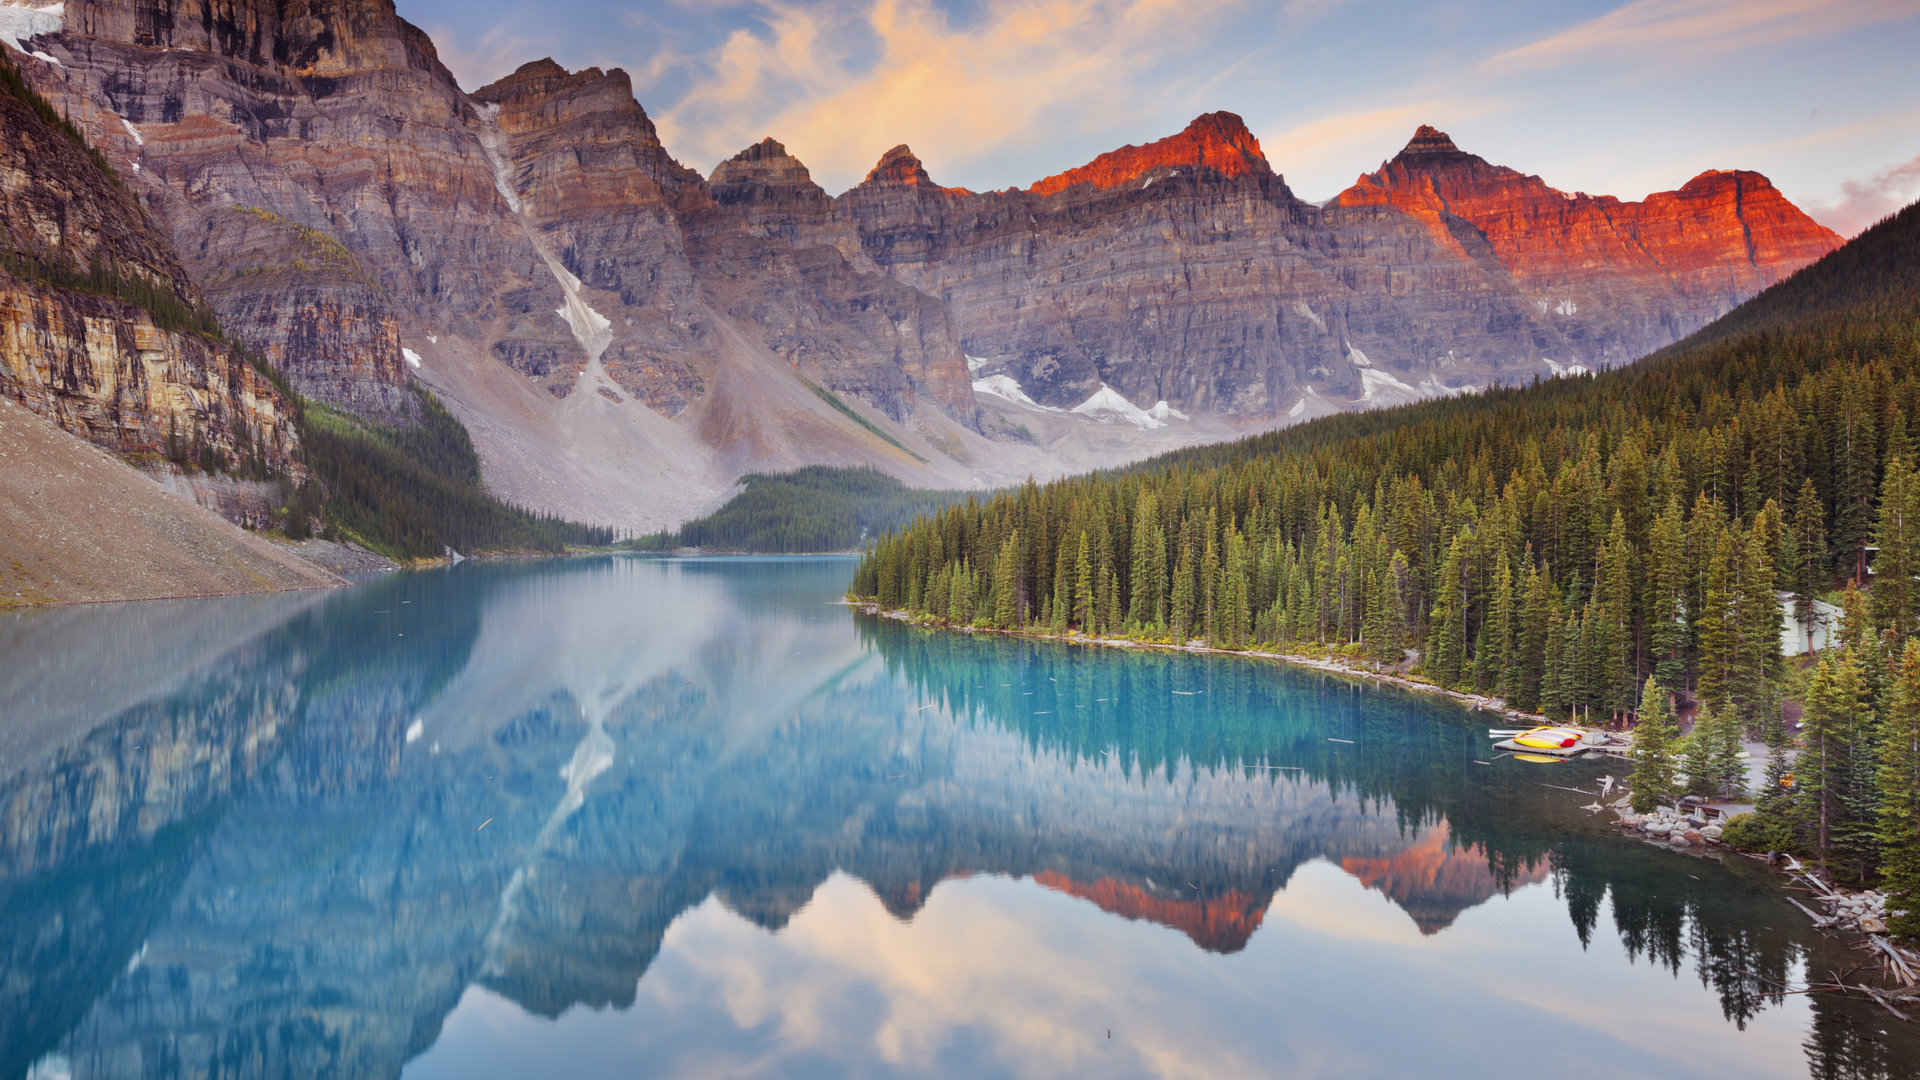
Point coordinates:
[[1840, 921], [1474, 702]]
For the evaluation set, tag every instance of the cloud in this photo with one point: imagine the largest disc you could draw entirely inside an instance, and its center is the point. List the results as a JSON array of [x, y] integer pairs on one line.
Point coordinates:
[[1649, 27], [839, 89], [1863, 202], [495, 53]]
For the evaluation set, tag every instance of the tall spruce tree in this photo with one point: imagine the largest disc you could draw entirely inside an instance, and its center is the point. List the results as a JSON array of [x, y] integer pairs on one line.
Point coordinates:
[[1896, 590], [1652, 781], [1898, 820]]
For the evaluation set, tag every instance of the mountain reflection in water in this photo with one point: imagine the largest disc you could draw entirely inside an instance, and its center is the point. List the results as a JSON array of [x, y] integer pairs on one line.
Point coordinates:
[[690, 817]]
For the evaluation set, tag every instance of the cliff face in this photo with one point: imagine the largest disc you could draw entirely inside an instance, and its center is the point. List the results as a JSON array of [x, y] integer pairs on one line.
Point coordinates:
[[681, 275], [100, 326], [337, 123], [1184, 270], [1618, 278]]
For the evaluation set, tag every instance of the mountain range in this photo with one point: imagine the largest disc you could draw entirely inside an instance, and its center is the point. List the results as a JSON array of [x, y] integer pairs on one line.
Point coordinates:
[[624, 337]]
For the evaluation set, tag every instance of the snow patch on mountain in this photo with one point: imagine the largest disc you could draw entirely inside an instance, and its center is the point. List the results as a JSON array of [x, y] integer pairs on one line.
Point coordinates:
[[1379, 387], [1163, 412], [1007, 388], [975, 363], [22, 22], [413, 358], [1559, 370], [138, 140], [1312, 405], [1110, 406]]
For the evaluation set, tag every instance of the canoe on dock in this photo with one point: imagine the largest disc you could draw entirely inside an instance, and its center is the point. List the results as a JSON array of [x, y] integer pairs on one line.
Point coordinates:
[[1558, 742]]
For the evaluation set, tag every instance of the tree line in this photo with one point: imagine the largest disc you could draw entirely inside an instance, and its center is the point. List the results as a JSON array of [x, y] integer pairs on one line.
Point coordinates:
[[1561, 546], [818, 508]]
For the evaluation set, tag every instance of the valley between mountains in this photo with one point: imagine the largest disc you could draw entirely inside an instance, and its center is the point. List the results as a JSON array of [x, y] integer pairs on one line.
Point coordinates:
[[224, 210]]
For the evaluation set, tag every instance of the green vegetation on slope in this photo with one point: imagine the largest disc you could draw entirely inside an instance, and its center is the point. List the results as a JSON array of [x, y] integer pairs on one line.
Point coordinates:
[[813, 509], [846, 410], [413, 492], [1556, 545]]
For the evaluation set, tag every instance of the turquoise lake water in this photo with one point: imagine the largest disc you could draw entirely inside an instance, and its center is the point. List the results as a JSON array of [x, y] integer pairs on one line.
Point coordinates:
[[632, 817]]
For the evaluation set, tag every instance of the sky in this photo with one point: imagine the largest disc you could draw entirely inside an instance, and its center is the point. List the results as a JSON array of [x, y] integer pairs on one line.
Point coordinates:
[[1595, 95]]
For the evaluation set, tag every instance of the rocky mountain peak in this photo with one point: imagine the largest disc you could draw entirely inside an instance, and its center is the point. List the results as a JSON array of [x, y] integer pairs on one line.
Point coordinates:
[[899, 167], [527, 78], [764, 173], [1218, 141], [1428, 140]]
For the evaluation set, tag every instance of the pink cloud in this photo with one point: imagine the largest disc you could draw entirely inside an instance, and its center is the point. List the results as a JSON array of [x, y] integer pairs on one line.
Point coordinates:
[[1863, 202]]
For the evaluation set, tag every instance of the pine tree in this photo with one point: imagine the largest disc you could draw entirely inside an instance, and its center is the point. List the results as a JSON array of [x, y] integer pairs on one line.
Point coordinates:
[[1757, 665], [1652, 781], [1719, 627], [1233, 606], [1810, 575], [1009, 600], [1529, 665], [1501, 612], [1062, 606], [1833, 776], [1727, 760], [1447, 647], [1896, 593], [1899, 812], [1666, 607], [1181, 616], [1696, 753], [1083, 585]]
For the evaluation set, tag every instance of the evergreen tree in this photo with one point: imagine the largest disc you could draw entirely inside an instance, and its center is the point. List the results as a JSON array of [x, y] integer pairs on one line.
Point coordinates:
[[1666, 608], [1899, 811], [1083, 586], [1833, 774], [1896, 593], [1447, 647], [1182, 614], [1811, 560], [1757, 665], [1719, 627], [1652, 781], [1535, 608], [1729, 761], [1009, 595]]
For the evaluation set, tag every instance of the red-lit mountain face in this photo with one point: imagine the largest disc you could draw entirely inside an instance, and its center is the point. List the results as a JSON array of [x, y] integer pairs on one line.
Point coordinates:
[[1654, 269]]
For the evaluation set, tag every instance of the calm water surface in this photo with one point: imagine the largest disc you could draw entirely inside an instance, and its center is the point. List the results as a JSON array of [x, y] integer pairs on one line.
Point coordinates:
[[629, 817]]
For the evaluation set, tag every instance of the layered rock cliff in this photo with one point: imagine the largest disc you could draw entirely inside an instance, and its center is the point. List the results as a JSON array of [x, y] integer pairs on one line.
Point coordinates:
[[101, 330], [1185, 270]]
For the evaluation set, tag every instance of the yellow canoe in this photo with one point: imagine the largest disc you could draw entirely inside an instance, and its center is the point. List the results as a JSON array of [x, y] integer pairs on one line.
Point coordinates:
[[1549, 738]]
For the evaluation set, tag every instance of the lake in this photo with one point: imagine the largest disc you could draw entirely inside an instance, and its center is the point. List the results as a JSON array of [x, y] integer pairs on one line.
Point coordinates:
[[627, 816]]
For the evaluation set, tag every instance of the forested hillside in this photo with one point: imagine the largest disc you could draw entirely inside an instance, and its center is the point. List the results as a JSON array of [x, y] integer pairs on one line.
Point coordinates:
[[1557, 545], [818, 508], [415, 491]]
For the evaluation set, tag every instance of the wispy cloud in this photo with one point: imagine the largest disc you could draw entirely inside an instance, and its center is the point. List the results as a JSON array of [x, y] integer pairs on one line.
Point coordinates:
[[1863, 202], [839, 92], [495, 53], [1652, 28]]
